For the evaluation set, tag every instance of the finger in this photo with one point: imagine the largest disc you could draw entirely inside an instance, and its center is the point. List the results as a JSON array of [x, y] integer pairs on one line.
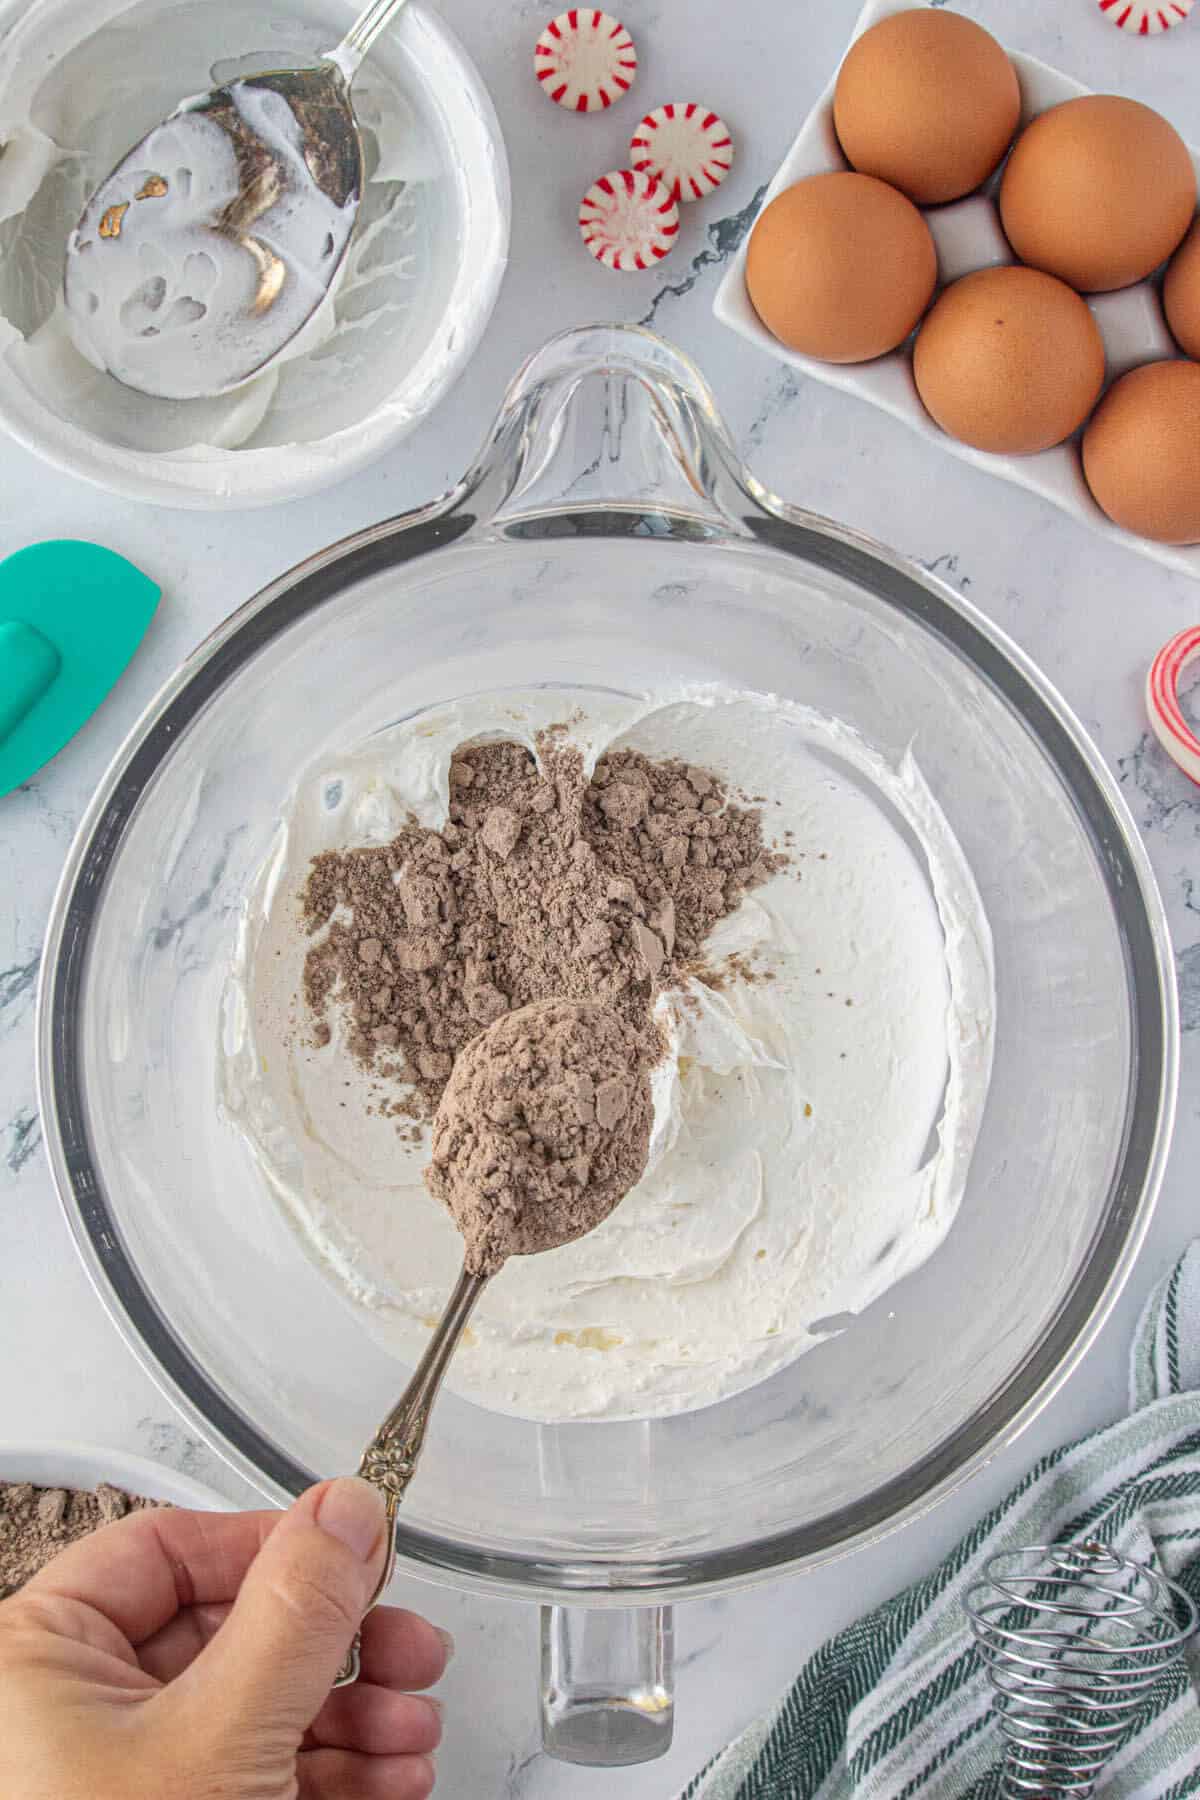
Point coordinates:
[[271, 1666], [146, 1568], [377, 1721], [345, 1775], [402, 1650], [175, 1648]]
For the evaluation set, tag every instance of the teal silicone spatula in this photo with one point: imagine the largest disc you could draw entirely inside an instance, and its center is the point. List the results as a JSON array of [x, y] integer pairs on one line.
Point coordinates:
[[71, 617]]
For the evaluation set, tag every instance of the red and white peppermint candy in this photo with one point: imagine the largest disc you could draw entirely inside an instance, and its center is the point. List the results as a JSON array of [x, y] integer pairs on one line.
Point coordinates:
[[1162, 701], [628, 220], [1146, 20], [585, 59], [687, 146]]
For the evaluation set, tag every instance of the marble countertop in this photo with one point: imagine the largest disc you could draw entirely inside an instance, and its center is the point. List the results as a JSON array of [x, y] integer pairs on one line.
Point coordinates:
[[1090, 613]]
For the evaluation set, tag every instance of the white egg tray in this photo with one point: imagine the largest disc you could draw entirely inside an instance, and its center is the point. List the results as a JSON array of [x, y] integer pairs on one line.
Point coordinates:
[[968, 236]]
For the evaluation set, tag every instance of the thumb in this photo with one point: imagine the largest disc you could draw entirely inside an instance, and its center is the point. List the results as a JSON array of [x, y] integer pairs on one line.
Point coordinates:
[[270, 1667]]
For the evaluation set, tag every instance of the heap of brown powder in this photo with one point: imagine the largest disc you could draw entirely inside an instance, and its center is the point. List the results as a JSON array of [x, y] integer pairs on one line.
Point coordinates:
[[543, 1129], [542, 885], [36, 1523]]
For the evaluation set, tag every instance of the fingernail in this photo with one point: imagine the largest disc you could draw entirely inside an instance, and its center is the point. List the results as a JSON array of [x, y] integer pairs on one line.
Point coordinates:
[[430, 1771], [448, 1643], [352, 1512]]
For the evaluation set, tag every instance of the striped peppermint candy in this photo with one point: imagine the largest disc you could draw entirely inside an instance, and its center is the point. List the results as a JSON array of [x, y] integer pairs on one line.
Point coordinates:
[[1162, 701], [1146, 21], [628, 220], [687, 146], [585, 59]]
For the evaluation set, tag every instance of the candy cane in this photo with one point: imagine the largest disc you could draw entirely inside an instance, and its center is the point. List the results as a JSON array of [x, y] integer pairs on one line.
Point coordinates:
[[1162, 701]]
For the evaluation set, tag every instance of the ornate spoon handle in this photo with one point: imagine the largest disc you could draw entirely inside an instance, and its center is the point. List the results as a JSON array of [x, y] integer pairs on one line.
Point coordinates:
[[353, 48], [390, 1459]]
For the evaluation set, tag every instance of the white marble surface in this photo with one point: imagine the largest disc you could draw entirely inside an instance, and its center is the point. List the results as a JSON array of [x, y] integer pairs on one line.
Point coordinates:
[[1090, 613]]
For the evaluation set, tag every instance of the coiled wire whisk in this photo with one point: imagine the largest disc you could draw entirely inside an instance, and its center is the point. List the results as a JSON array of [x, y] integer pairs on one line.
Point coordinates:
[[1075, 1638]]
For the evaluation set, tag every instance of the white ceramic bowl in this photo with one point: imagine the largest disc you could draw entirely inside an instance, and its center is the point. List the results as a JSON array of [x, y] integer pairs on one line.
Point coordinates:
[[422, 277], [968, 236], [65, 1465]]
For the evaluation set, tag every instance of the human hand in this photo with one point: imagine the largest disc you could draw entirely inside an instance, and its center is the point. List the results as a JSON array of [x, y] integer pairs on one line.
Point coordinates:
[[190, 1656]]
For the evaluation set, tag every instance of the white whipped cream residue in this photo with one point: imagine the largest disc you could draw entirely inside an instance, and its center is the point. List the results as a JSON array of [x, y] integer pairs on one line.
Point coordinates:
[[80, 85], [813, 1131], [163, 297]]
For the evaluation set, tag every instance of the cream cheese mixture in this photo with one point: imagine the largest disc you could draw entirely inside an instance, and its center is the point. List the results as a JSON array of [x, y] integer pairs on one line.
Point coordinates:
[[813, 1130]]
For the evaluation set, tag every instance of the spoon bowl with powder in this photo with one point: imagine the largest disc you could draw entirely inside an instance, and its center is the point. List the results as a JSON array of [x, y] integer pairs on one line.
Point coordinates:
[[211, 247], [543, 1129]]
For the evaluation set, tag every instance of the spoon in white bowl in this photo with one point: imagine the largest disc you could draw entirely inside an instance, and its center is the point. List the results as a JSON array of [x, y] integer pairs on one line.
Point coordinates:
[[216, 240]]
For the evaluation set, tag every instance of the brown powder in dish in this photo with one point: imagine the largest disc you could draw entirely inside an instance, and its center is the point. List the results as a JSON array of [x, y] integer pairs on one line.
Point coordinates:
[[542, 885], [543, 1129], [36, 1523]]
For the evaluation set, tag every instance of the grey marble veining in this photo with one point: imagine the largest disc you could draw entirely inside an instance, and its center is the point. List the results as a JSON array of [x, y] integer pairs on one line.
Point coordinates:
[[173, 926], [24, 1136], [168, 1441], [724, 240], [1188, 965], [1091, 614], [17, 988], [1162, 799]]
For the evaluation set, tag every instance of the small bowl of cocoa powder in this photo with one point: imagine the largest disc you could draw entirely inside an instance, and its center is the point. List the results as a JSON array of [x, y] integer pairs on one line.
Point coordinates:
[[52, 1495]]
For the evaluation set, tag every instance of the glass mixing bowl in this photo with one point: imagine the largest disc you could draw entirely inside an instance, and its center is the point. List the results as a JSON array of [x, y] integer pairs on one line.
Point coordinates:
[[608, 536]]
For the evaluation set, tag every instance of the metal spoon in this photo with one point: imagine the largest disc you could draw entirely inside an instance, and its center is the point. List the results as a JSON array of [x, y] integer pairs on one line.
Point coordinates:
[[390, 1459], [471, 1168], [219, 236]]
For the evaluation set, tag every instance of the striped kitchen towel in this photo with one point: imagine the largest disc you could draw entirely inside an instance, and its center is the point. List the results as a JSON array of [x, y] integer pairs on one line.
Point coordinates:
[[898, 1704]]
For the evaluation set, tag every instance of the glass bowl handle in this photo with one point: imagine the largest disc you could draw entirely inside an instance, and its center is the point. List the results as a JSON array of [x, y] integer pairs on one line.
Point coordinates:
[[609, 415], [608, 1684]]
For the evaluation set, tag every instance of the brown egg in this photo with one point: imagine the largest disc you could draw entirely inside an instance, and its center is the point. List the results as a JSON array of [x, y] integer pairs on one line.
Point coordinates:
[[1141, 452], [1009, 360], [1098, 191], [1181, 293], [841, 267], [928, 101]]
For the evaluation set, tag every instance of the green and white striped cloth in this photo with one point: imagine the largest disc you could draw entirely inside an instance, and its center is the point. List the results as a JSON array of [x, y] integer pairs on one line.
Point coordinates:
[[898, 1705]]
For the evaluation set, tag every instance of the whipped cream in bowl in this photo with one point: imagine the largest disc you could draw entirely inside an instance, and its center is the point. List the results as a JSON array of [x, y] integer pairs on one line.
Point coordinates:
[[81, 82], [815, 1113]]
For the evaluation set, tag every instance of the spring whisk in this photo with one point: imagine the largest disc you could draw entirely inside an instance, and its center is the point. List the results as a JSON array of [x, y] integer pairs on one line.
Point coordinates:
[[1074, 1638]]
